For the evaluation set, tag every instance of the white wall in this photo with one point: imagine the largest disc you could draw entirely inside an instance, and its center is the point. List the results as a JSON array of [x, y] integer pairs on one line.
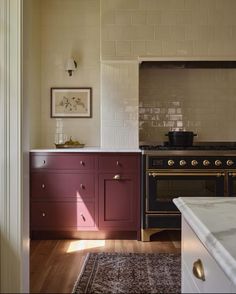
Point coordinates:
[[32, 69], [70, 28]]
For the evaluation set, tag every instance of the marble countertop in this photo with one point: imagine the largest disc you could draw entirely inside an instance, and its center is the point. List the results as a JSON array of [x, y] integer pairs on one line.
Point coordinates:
[[214, 222], [88, 149]]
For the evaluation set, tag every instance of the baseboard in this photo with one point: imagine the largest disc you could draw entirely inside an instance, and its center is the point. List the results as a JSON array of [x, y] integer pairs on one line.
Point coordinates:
[[52, 235]]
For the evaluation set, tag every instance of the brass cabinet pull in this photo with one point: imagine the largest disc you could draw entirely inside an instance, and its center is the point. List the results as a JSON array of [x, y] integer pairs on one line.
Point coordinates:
[[198, 270], [216, 174], [44, 161], [84, 219], [43, 186], [117, 163], [81, 162], [117, 177], [82, 186], [43, 214]]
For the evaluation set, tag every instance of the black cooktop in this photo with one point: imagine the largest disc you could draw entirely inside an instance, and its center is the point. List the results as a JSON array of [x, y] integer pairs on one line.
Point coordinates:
[[200, 146]]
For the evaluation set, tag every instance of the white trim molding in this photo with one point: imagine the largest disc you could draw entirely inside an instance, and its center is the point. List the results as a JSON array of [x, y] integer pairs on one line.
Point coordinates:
[[11, 188]]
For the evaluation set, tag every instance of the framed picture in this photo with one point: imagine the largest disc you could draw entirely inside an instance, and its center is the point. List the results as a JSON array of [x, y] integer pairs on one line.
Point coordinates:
[[71, 102]]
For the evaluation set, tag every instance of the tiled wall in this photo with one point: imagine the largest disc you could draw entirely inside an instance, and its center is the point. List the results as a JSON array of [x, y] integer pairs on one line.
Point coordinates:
[[132, 28], [119, 109], [199, 100]]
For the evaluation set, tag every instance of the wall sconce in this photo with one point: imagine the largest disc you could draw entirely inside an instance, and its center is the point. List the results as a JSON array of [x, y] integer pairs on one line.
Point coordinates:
[[71, 66]]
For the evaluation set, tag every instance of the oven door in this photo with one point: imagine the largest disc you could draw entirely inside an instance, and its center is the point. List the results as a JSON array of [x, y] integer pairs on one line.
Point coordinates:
[[162, 187]]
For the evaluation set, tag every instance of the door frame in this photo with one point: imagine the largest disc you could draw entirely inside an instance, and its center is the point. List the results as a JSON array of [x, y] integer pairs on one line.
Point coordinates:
[[14, 236]]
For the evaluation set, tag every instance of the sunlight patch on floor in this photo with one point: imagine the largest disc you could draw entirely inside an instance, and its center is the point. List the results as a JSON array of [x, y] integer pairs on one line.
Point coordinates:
[[84, 244]]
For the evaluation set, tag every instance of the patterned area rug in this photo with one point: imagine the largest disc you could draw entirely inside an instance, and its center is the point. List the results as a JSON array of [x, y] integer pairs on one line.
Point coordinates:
[[130, 273]]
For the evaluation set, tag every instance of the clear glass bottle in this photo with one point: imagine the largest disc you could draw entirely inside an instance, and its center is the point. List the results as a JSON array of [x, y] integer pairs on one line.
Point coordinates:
[[60, 136]]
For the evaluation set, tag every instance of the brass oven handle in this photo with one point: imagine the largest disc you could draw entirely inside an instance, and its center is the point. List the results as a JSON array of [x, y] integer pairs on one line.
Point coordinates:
[[198, 270], [155, 174]]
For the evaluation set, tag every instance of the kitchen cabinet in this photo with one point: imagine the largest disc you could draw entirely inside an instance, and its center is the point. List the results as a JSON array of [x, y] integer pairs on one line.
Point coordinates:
[[208, 259], [118, 201], [74, 192], [200, 271], [63, 193]]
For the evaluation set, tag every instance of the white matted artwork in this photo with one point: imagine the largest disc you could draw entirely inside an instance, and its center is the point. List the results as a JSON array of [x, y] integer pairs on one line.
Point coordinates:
[[71, 102]]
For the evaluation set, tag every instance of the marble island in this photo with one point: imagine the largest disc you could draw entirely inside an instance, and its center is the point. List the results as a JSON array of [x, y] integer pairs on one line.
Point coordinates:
[[212, 221]]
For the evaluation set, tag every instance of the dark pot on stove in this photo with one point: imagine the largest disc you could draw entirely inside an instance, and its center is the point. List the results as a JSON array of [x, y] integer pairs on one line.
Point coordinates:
[[181, 138]]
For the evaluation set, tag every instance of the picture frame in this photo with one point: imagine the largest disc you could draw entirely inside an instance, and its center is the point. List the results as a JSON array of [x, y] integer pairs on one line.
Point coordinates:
[[71, 102]]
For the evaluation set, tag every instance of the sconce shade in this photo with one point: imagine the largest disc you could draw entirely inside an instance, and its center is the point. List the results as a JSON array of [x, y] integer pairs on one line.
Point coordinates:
[[71, 65]]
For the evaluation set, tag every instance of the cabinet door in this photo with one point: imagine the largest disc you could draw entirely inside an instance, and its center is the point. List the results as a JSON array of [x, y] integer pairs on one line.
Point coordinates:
[[118, 201]]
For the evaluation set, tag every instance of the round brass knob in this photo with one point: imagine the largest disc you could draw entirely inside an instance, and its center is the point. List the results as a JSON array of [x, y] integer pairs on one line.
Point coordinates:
[[171, 162], [43, 214], [206, 162], [182, 163], [43, 186], [194, 162], [218, 163], [229, 162]]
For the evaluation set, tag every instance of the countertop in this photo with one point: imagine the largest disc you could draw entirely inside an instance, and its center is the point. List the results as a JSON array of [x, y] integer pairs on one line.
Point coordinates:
[[88, 149], [214, 222]]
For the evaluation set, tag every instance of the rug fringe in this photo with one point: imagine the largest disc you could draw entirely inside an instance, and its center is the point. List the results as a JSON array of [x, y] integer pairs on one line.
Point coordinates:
[[81, 272]]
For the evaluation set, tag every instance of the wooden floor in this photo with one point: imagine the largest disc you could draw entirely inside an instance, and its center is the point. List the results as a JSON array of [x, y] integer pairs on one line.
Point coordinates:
[[55, 264]]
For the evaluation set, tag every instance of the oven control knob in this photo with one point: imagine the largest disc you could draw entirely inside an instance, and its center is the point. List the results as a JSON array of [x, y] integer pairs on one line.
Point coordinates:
[[194, 162], [182, 163], [229, 162], [171, 162], [218, 163], [206, 162]]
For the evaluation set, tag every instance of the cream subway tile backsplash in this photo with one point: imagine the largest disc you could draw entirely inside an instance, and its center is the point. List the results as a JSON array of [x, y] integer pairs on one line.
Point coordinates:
[[123, 48], [123, 17], [139, 18], [119, 109], [200, 100]]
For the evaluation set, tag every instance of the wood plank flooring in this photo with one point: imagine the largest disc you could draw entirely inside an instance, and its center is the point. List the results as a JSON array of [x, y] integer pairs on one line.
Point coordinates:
[[55, 264]]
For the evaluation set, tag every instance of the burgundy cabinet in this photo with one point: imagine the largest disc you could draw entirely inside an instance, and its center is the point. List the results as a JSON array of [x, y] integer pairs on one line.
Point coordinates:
[[62, 186], [79, 192], [62, 216], [118, 163], [118, 201], [63, 161]]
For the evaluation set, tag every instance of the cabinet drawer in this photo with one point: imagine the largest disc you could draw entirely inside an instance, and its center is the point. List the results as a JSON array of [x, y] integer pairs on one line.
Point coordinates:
[[119, 163], [165, 221], [54, 186], [62, 215], [78, 162], [192, 249]]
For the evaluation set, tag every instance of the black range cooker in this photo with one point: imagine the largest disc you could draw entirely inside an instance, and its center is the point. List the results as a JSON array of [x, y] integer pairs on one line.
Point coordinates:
[[204, 170]]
